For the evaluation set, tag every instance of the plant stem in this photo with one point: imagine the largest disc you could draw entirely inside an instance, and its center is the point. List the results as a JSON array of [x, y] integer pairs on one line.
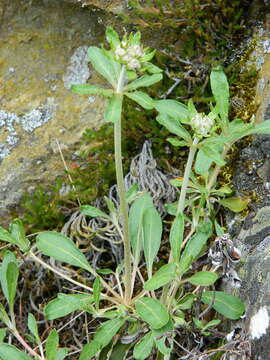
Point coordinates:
[[217, 168], [26, 346], [122, 193], [182, 198]]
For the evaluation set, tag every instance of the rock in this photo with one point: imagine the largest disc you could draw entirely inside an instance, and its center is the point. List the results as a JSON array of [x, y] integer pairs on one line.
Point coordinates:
[[252, 234], [114, 6], [43, 51]]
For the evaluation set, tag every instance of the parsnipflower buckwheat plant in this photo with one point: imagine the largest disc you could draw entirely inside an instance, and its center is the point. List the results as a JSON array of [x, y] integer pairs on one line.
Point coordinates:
[[152, 303]]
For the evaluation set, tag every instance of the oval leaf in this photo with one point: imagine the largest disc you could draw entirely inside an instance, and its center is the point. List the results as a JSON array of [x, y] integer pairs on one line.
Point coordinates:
[[9, 277], [144, 81], [136, 213], [107, 67], [226, 304], [59, 247], [152, 232], [87, 89], [235, 204], [220, 90], [18, 232], [89, 350], [32, 326], [113, 109], [176, 236], [152, 311], [164, 275], [93, 211], [52, 345], [8, 352], [108, 330], [203, 278], [142, 350], [173, 125], [142, 99], [173, 109], [57, 308]]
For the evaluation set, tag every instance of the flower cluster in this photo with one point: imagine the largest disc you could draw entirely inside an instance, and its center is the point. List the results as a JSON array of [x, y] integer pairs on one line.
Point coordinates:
[[129, 55], [201, 124]]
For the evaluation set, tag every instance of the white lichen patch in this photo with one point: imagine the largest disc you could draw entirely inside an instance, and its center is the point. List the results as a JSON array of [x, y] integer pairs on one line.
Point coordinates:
[[259, 323], [78, 71], [29, 122]]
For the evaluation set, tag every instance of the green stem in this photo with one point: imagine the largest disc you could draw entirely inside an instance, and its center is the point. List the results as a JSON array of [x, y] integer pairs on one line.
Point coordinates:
[[217, 168], [182, 198], [122, 193]]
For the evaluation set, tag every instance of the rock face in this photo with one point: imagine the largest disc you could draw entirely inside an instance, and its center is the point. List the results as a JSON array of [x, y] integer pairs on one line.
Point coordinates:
[[43, 46], [252, 237]]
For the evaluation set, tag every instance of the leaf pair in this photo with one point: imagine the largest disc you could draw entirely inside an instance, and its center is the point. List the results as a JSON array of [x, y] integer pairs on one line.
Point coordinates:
[[145, 226], [15, 235]]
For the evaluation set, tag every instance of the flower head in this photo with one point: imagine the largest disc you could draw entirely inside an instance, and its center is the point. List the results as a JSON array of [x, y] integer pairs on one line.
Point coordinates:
[[202, 124]]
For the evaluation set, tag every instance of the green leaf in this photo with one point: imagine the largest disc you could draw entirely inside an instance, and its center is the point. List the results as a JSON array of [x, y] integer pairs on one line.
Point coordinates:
[[142, 99], [16, 229], [152, 311], [148, 57], [142, 350], [136, 213], [61, 353], [151, 68], [57, 308], [9, 277], [4, 316], [51, 346], [191, 108], [161, 345], [152, 232], [113, 109], [226, 304], [235, 204], [164, 329], [219, 230], [176, 142], [3, 333], [261, 128], [164, 275], [213, 154], [173, 125], [32, 326], [10, 352], [186, 302], [132, 193], [89, 350], [203, 278], [195, 246], [202, 163], [87, 89], [176, 236], [237, 129], [108, 330], [105, 66], [17, 236], [93, 212], [174, 109], [97, 291], [143, 81], [220, 90], [112, 37], [211, 323], [59, 247]]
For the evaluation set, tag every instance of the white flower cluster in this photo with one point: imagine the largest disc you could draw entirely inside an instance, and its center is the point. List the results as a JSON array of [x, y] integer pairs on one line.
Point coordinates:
[[129, 55], [201, 124]]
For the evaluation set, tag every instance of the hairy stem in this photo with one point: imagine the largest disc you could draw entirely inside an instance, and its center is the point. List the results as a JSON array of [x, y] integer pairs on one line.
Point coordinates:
[[182, 198], [26, 346], [122, 193]]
